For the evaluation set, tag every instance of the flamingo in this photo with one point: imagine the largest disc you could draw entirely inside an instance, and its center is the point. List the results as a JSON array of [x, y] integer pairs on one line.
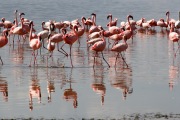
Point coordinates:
[[168, 20], [81, 30], [57, 38], [34, 43], [20, 30], [3, 40], [99, 47], [94, 27], [161, 23], [128, 33], [59, 25], [177, 23], [173, 36], [111, 22], [45, 33], [120, 47], [7, 24], [70, 38], [88, 22]]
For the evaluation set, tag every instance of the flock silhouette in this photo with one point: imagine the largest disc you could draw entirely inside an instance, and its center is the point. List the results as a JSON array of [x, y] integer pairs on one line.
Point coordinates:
[[70, 32]]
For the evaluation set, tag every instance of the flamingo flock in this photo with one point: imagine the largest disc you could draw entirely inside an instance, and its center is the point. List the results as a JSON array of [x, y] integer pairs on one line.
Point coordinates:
[[70, 32]]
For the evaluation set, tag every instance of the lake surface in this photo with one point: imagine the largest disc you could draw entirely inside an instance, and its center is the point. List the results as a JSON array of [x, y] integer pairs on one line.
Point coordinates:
[[148, 89]]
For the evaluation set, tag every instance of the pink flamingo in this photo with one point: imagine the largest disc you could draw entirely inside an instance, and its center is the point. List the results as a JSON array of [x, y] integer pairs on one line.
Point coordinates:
[[111, 22], [94, 27], [70, 38], [128, 33], [59, 25], [99, 47], [20, 30], [3, 40], [161, 23], [7, 24], [57, 38], [34, 43], [168, 20], [173, 36], [81, 30], [120, 47]]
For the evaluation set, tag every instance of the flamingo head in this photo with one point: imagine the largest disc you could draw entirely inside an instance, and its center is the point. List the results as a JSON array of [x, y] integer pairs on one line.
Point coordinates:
[[52, 26], [3, 19], [130, 16], [15, 11], [110, 15], [167, 13], [93, 14]]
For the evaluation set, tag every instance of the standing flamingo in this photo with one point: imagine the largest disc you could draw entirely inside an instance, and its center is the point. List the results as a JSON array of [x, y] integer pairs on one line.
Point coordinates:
[[111, 22], [173, 36], [120, 47], [45, 33], [128, 33], [177, 23], [57, 38], [94, 27], [34, 43], [70, 38], [99, 47], [3, 41]]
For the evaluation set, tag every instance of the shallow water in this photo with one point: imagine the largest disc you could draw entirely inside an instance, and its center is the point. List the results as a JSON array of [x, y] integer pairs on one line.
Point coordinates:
[[148, 89]]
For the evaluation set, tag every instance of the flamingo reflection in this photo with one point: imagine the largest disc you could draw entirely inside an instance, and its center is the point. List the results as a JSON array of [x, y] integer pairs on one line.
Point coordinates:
[[122, 79], [70, 94], [50, 89], [4, 89], [34, 90], [173, 75], [98, 85]]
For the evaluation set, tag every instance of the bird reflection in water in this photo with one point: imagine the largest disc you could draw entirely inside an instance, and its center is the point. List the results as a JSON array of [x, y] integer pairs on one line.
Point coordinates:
[[70, 94], [122, 79], [173, 76], [50, 83], [4, 89], [34, 89], [98, 84]]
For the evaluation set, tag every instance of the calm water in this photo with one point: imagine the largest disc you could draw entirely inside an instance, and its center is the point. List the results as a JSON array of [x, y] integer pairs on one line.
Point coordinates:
[[149, 88]]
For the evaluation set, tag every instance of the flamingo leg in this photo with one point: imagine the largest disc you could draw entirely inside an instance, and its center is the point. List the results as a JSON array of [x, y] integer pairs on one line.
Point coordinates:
[[105, 59], [94, 61], [61, 51], [64, 50], [31, 59], [1, 60], [70, 55], [116, 58], [124, 60]]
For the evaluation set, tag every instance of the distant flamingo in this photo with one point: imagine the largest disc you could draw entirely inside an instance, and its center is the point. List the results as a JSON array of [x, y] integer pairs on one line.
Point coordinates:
[[3, 40], [99, 47], [34, 43], [120, 47], [70, 38], [111, 22]]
